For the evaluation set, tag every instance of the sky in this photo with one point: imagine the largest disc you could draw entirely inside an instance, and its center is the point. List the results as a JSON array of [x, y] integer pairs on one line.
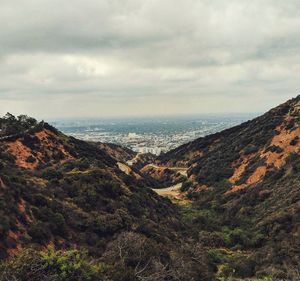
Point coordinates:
[[109, 58]]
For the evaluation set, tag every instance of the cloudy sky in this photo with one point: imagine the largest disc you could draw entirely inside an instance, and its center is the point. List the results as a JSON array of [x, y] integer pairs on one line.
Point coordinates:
[[99, 58]]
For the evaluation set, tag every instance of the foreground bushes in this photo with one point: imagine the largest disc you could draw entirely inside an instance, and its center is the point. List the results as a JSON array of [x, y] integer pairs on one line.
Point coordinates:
[[50, 265], [128, 257]]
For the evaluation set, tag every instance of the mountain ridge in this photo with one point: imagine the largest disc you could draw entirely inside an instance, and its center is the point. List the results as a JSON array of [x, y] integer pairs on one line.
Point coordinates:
[[239, 216], [189, 154], [247, 178], [60, 195]]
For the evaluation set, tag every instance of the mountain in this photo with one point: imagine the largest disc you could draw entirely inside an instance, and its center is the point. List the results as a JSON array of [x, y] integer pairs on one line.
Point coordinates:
[[245, 184], [72, 210], [68, 212], [119, 153]]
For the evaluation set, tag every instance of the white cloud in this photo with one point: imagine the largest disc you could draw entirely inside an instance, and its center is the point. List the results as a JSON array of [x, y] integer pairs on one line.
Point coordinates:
[[131, 57]]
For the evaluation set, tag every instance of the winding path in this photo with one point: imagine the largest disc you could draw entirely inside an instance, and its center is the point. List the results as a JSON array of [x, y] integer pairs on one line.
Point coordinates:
[[173, 190]]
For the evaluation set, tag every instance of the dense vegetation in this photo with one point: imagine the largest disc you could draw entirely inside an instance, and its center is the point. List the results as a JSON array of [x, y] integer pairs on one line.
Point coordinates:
[[11, 125], [96, 222], [67, 212], [244, 184], [253, 232]]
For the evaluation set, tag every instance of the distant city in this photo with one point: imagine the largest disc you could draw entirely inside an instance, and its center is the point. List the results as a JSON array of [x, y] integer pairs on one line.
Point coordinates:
[[148, 135]]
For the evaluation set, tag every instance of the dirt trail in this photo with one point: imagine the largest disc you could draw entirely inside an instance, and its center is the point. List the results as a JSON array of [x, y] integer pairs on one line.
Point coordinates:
[[133, 160], [127, 170], [173, 190]]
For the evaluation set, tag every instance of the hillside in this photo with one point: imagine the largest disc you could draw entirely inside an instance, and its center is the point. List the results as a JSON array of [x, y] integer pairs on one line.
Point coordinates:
[[245, 184], [60, 193], [90, 206], [164, 176], [119, 153], [131, 162]]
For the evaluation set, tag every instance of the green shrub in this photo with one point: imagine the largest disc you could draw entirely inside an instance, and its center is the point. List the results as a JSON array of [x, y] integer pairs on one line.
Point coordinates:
[[32, 265], [250, 149], [51, 174], [4, 225], [237, 236], [216, 256], [39, 232]]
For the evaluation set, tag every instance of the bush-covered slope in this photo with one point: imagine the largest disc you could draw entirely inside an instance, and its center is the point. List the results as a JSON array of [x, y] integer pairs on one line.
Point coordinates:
[[245, 184], [68, 194], [119, 153], [242, 155]]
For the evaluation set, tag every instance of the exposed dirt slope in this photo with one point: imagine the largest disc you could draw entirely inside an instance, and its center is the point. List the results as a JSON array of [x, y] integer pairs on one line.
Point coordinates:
[[60, 190], [248, 177], [245, 154]]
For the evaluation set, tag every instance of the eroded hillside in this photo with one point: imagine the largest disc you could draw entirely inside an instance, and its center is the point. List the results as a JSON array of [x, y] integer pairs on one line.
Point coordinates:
[[245, 184], [69, 195], [244, 154]]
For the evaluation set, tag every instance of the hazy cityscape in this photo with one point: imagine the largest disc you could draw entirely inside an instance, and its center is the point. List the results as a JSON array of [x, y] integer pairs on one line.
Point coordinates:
[[147, 135]]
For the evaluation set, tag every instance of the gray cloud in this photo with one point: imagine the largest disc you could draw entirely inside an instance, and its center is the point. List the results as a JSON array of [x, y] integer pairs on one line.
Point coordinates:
[[132, 57]]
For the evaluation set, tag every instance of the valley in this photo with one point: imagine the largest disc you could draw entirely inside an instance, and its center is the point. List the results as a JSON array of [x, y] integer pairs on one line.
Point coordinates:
[[150, 140], [223, 207]]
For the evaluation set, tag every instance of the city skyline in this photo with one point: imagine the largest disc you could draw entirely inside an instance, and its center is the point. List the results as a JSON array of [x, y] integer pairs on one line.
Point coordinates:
[[149, 135]]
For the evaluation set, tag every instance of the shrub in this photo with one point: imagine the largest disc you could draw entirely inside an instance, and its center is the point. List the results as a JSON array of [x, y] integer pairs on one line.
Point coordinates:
[[39, 232], [275, 149], [294, 141], [4, 225], [292, 157], [237, 236], [51, 174], [243, 266], [250, 149], [216, 256], [185, 186], [32, 265]]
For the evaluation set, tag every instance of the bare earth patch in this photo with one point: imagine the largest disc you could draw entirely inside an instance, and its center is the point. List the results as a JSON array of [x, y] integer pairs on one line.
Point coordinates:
[[48, 146], [21, 152], [273, 159]]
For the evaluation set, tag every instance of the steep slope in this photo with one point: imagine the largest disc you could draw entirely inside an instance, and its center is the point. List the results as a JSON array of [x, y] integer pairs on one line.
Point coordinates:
[[141, 160], [245, 182], [164, 176], [60, 191], [119, 153], [242, 155], [46, 162]]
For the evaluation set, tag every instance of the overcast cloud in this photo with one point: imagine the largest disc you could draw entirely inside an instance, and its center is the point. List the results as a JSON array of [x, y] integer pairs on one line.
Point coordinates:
[[97, 58]]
